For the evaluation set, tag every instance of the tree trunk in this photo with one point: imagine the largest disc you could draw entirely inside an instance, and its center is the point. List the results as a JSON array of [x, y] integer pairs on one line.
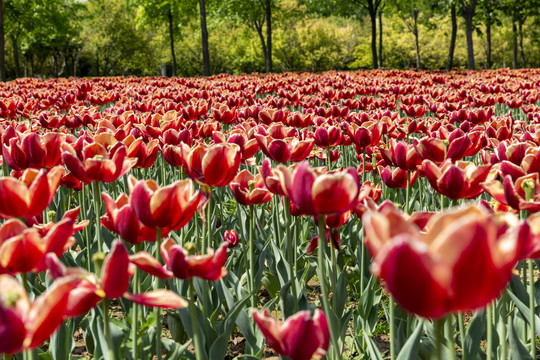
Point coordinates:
[[452, 47], [268, 16], [3, 75], [171, 38], [514, 45], [520, 35], [263, 45], [488, 44], [373, 17], [97, 61], [469, 9], [380, 41], [204, 33], [416, 46], [16, 56]]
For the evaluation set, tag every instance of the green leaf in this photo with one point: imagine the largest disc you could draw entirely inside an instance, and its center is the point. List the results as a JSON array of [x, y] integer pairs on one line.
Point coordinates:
[[474, 334], [62, 343], [517, 349], [410, 349]]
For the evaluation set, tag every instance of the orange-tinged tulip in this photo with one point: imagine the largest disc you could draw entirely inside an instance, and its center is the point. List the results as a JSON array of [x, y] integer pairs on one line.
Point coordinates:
[[30, 195], [24, 324], [103, 160], [460, 262], [212, 165], [171, 206], [113, 283], [523, 194], [121, 219], [249, 189]]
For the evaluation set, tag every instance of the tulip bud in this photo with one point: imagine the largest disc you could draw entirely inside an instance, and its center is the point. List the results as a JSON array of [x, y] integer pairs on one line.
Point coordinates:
[[231, 238]]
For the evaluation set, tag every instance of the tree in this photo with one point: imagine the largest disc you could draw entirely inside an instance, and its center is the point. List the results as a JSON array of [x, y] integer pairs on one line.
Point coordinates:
[[204, 38], [468, 8], [372, 7], [489, 13], [3, 76], [410, 11], [157, 11], [255, 14]]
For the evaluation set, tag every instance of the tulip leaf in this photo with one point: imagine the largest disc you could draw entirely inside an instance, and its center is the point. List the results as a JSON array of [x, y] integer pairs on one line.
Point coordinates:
[[62, 343], [520, 297], [372, 349], [410, 349], [517, 349], [474, 334], [175, 350]]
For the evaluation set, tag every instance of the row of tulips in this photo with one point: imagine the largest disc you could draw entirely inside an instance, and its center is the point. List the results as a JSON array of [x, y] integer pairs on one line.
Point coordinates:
[[216, 200]]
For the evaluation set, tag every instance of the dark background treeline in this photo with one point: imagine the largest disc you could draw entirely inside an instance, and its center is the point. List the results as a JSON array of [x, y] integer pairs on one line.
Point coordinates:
[[60, 38]]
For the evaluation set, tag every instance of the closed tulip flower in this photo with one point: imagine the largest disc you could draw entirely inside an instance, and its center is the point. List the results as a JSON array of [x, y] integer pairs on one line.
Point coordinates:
[[34, 151], [461, 261], [300, 337]]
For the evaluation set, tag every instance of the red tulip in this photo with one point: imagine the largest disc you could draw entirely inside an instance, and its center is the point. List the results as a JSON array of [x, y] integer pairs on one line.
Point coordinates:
[[30, 195], [249, 189], [327, 136], [523, 194], [314, 193], [113, 283], [212, 165], [34, 151], [461, 180], [397, 178], [185, 266], [365, 135], [401, 155], [145, 153], [171, 206], [282, 150], [231, 237], [461, 262], [121, 219], [24, 324], [300, 337], [103, 160]]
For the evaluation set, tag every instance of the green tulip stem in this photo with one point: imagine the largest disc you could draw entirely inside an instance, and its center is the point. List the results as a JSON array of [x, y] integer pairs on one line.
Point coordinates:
[[290, 253], [97, 213], [531, 309], [364, 166], [439, 338], [252, 257], [194, 321], [135, 320], [407, 191], [158, 285], [461, 325], [392, 325], [322, 280], [82, 204], [489, 336], [107, 328], [450, 338]]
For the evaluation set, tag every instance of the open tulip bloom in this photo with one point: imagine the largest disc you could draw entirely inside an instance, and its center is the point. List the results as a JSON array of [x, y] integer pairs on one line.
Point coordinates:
[[461, 261]]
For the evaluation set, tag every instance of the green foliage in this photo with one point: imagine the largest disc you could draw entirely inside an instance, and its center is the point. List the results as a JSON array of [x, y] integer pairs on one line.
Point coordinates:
[[119, 37]]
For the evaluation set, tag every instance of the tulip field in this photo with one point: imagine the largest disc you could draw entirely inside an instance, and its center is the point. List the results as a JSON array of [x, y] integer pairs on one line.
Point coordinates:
[[343, 215]]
